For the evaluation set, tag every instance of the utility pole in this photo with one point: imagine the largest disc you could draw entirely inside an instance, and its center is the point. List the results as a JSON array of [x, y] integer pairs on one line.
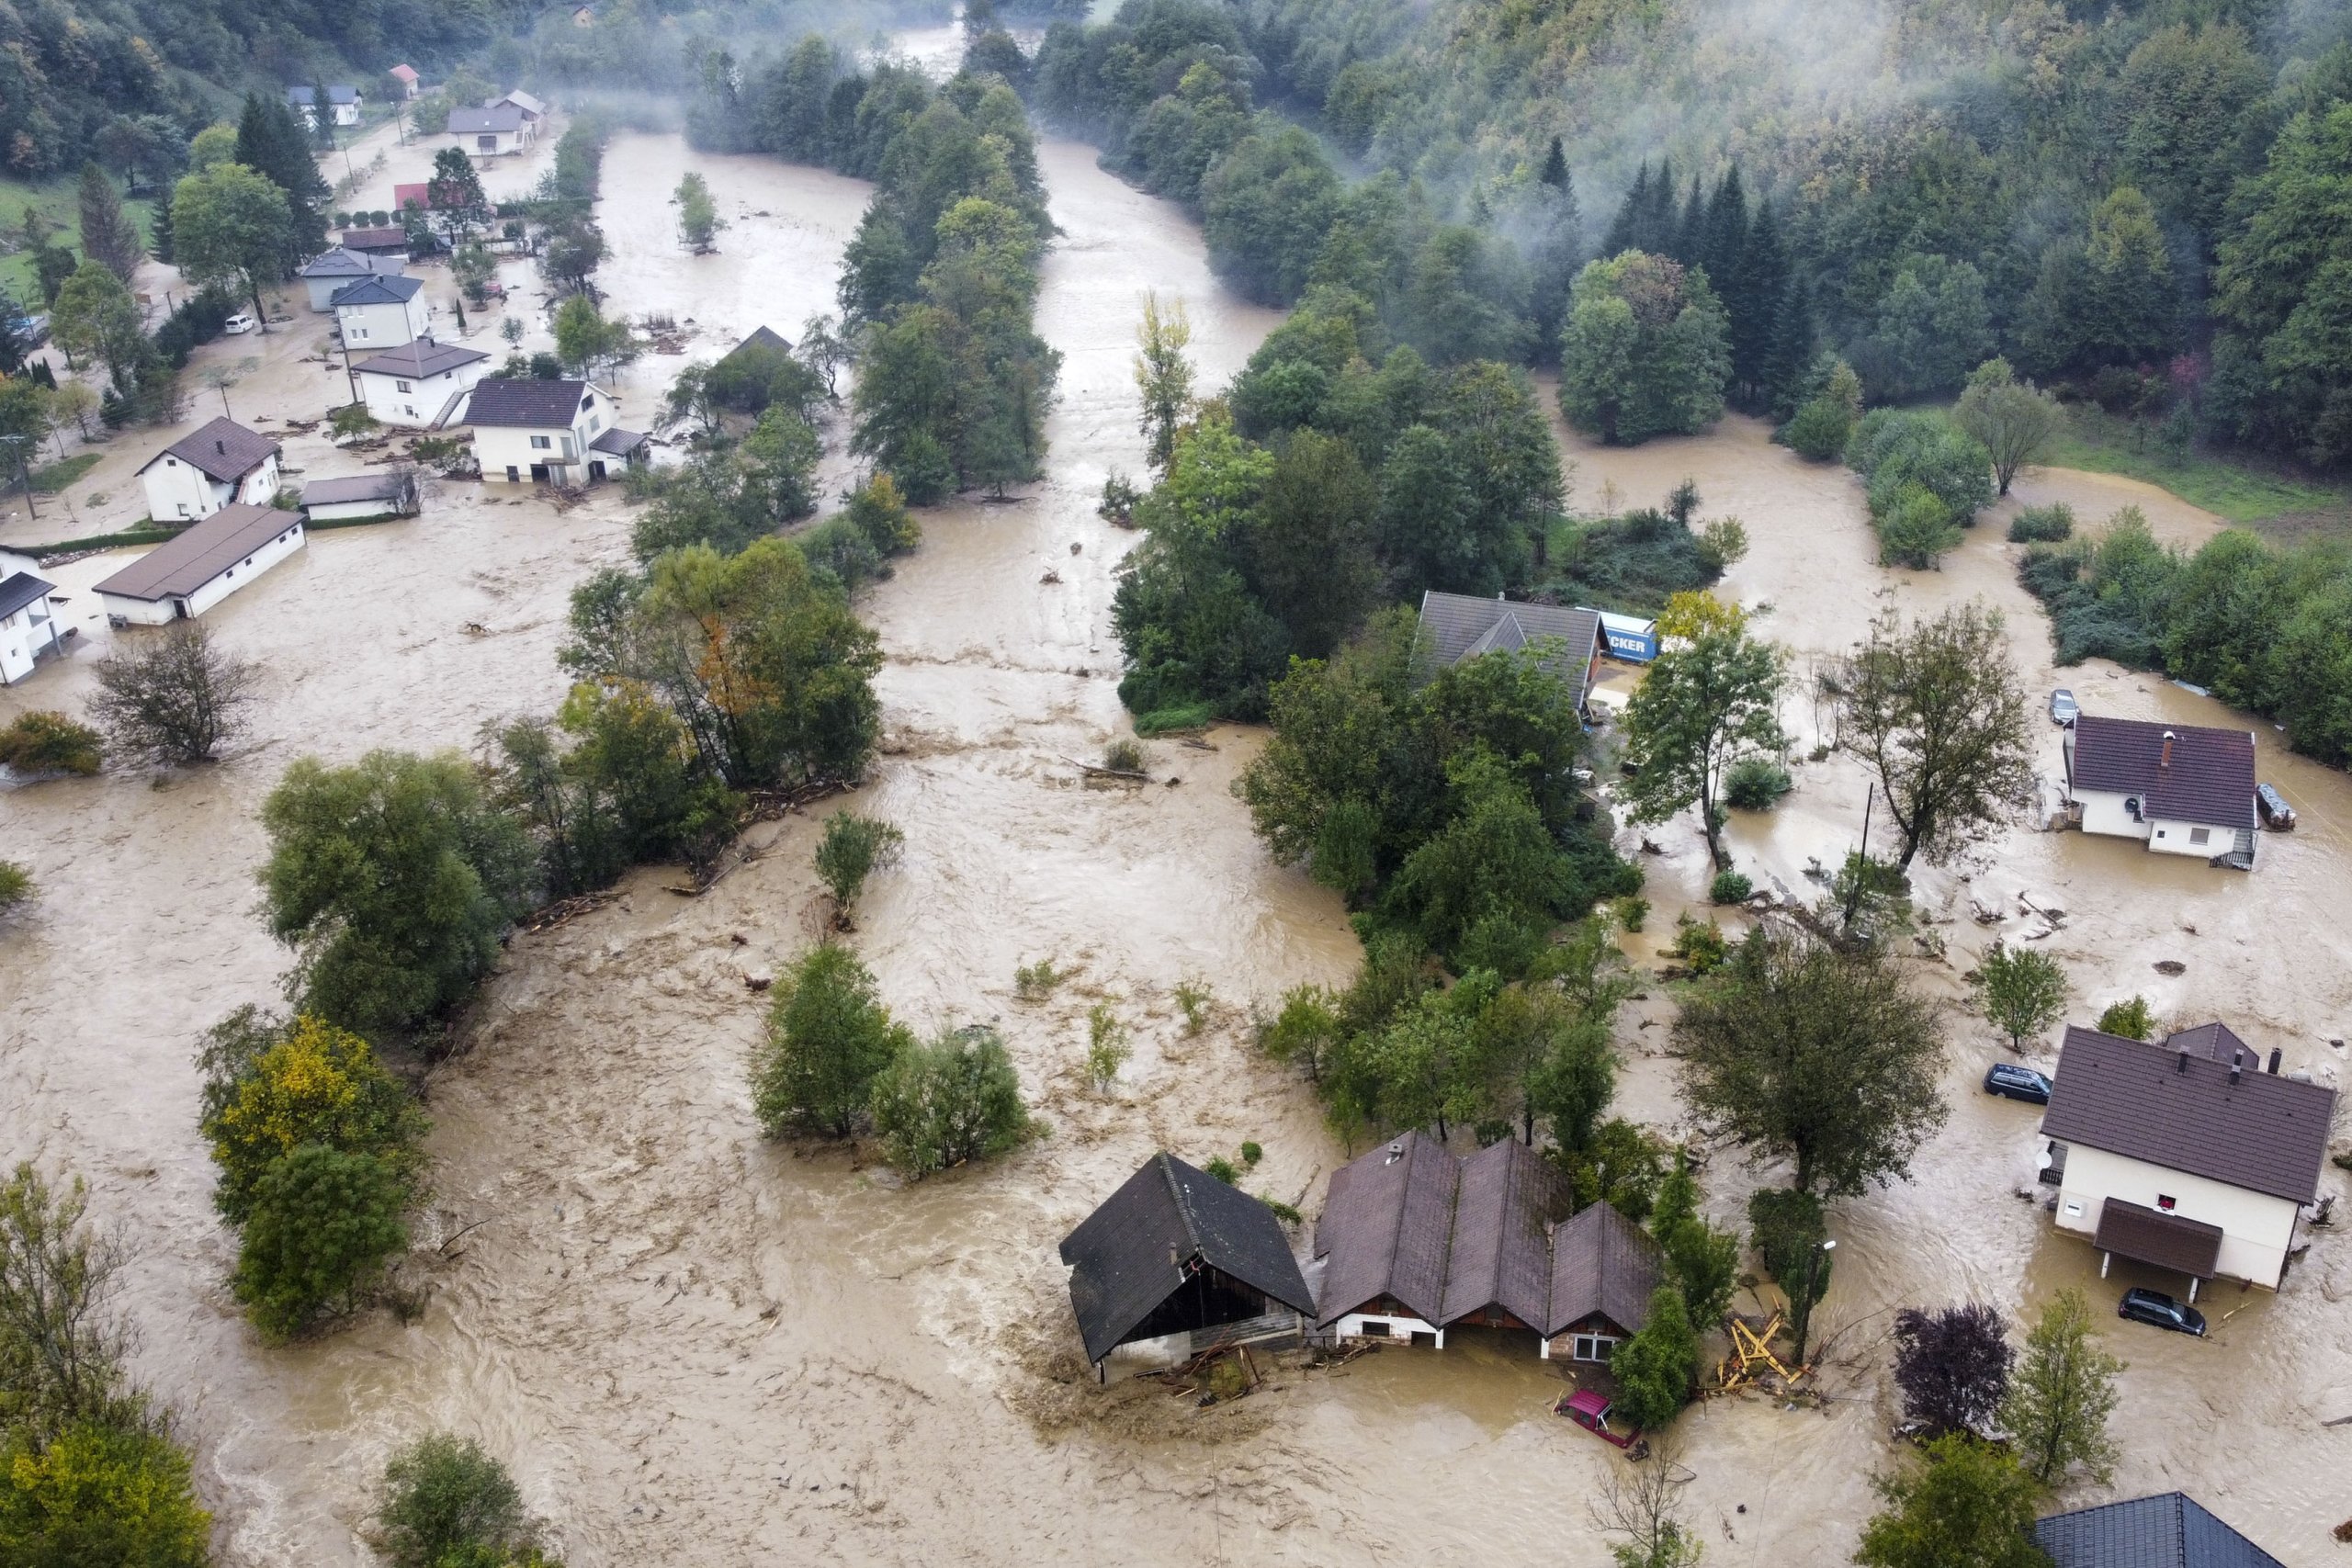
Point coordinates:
[[1811, 1292], [25, 471], [1854, 891]]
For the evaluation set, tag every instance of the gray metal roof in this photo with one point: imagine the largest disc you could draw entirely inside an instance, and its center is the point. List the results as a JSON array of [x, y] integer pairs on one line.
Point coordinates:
[[383, 239], [1460, 626], [219, 447], [340, 262], [421, 358], [2182, 772], [2168, 1532], [1145, 1240], [18, 590], [496, 118], [378, 486], [2175, 1107], [378, 290], [519, 403], [618, 441], [200, 552]]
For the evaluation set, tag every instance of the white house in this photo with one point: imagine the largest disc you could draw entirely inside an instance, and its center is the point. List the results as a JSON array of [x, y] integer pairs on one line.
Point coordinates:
[[385, 492], [188, 574], [219, 464], [2187, 1155], [418, 382], [29, 628], [493, 131], [326, 274], [544, 432], [382, 313], [2179, 789], [343, 102]]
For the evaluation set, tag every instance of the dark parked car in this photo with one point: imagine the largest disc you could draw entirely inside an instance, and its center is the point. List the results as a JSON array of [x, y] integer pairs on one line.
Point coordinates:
[[2017, 1083], [2062, 707], [2155, 1307]]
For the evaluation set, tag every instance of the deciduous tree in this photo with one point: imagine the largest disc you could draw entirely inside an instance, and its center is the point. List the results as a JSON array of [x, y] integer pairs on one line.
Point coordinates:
[[2022, 991], [175, 701], [829, 1037], [1163, 375], [233, 227], [2013, 419], [1952, 1366], [2061, 1395], [1702, 707], [1970, 1507], [950, 1102], [322, 1226], [852, 847], [1826, 1058]]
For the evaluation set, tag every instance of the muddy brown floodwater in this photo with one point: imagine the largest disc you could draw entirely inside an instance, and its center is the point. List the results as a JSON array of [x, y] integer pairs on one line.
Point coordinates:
[[698, 1347]]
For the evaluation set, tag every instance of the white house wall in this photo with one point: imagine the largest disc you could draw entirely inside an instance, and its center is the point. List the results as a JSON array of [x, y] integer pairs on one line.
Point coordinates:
[[1400, 1329], [2104, 813], [162, 612], [386, 325], [2181, 839], [2256, 1227], [424, 399], [182, 493], [22, 638]]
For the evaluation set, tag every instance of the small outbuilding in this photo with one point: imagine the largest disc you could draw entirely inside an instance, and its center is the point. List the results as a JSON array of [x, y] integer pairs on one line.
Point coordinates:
[[2187, 1156], [357, 498], [1175, 1251], [2172, 1530], [418, 383], [29, 628], [194, 569], [410, 83], [492, 131], [387, 243], [216, 465], [1455, 626], [1416, 1241], [2181, 789], [532, 105]]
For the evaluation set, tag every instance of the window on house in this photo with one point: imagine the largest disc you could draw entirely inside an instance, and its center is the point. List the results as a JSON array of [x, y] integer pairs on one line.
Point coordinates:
[[1592, 1347], [540, 443], [2166, 1203], [2199, 835], [2160, 832], [402, 386], [1374, 1329]]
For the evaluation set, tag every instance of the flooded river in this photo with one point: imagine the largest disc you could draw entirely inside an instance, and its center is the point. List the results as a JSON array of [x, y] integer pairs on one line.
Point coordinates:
[[698, 1347]]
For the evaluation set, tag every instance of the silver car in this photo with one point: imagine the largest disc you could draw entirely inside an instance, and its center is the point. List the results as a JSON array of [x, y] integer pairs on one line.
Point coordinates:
[[2062, 707]]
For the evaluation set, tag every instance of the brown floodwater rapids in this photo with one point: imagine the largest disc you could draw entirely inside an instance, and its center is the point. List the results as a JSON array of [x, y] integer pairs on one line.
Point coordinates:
[[695, 1347]]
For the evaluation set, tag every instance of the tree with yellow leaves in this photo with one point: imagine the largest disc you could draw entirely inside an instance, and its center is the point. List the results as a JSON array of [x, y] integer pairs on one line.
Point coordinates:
[[273, 1086]]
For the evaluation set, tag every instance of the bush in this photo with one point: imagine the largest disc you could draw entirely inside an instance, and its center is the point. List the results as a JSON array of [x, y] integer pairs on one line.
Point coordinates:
[[2132, 1018], [1756, 784], [39, 741], [1222, 1168], [1251, 1153], [16, 886], [176, 700], [1729, 887], [1035, 982], [1819, 431], [879, 513], [1193, 997], [99, 1493], [444, 1498], [1107, 1046], [1183, 715], [828, 1039], [352, 419], [320, 1226], [1699, 943], [1914, 528], [1633, 912], [851, 849], [1124, 756], [2042, 524], [951, 1102]]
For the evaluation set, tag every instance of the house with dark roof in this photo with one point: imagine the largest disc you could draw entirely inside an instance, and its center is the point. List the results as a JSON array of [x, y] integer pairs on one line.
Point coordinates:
[[29, 628], [350, 498], [387, 243], [342, 103], [219, 462], [2181, 789], [1416, 1241], [2189, 1156], [325, 273], [381, 312], [495, 130], [203, 564], [542, 432], [532, 105], [2173, 1530], [419, 382], [1455, 626], [1176, 1251]]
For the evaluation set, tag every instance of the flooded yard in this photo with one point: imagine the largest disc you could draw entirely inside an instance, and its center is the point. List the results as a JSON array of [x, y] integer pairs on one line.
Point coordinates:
[[695, 1347]]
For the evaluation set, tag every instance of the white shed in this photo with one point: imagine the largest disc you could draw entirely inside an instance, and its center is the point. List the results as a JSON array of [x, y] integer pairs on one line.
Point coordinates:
[[188, 574], [219, 464], [418, 383], [29, 628], [355, 497], [382, 313]]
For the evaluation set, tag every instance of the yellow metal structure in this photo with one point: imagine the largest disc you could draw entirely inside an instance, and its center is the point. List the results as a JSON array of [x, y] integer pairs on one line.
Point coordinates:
[[1751, 1355]]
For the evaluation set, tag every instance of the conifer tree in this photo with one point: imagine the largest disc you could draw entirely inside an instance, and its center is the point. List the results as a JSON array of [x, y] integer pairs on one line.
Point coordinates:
[[109, 236], [273, 143], [1626, 229]]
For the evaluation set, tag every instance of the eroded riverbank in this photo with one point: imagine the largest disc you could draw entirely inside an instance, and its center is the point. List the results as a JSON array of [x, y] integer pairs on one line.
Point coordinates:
[[699, 1348]]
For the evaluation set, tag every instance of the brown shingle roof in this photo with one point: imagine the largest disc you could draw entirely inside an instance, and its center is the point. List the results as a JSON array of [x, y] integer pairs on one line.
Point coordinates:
[[221, 448], [2179, 1110], [1459, 626], [375, 239], [200, 552], [420, 358], [2209, 777], [2151, 1235], [1602, 1262], [1385, 1226], [1501, 1257]]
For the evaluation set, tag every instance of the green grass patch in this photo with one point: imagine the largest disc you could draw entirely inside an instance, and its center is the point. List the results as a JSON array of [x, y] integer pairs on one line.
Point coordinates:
[[1186, 716], [2237, 489], [52, 478], [58, 200], [96, 542]]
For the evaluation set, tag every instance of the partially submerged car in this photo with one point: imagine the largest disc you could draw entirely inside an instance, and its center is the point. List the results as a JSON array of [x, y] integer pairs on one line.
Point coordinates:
[[2155, 1308], [2008, 1079], [1588, 1409], [2276, 813]]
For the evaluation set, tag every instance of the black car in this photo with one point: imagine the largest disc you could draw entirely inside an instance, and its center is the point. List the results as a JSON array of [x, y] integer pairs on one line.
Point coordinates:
[[2156, 1308], [2017, 1083]]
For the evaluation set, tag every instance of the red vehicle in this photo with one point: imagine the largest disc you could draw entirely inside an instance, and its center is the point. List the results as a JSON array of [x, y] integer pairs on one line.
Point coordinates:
[[1590, 1411]]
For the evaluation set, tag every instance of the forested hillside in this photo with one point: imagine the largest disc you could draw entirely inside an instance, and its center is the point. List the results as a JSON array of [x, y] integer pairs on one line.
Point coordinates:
[[2150, 205]]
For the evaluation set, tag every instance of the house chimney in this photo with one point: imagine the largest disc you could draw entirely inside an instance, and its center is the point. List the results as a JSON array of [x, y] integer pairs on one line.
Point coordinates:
[[2235, 1058], [221, 446], [2274, 1061], [2181, 1060], [2166, 761]]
